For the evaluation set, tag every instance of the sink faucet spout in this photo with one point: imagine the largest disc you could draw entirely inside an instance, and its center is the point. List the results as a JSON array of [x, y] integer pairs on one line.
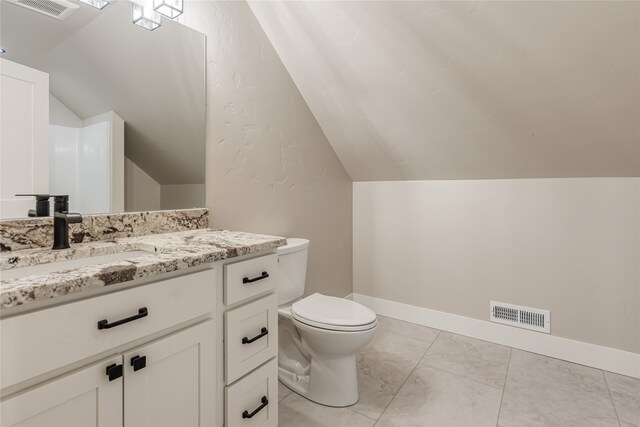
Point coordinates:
[[61, 221]]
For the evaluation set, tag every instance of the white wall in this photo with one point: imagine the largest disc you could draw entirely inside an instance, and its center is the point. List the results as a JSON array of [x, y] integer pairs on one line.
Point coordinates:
[[182, 196], [569, 245], [141, 192], [270, 168]]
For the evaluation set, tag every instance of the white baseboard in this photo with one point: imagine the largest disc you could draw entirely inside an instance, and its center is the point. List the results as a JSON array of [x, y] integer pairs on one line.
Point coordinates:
[[605, 358]]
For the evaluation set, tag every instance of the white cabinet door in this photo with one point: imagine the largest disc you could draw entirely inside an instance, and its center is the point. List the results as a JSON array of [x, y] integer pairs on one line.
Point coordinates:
[[171, 382], [83, 398], [24, 150]]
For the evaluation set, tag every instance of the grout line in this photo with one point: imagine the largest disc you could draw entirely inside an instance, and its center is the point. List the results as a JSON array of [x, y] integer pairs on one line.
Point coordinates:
[[504, 387], [615, 410], [408, 376], [361, 414], [464, 378]]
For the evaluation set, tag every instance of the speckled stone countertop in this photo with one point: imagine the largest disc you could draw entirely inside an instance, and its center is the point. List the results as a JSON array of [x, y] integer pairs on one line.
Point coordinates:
[[167, 252]]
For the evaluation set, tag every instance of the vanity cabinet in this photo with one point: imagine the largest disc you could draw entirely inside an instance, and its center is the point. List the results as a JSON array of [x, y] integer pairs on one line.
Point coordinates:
[[159, 384], [191, 348], [156, 351]]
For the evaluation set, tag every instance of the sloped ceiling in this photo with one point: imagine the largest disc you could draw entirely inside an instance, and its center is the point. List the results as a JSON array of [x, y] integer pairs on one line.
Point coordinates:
[[467, 90], [98, 61]]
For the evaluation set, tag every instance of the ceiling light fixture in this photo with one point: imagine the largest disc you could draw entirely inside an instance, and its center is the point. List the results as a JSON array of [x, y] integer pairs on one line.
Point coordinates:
[[98, 4], [145, 16], [169, 8]]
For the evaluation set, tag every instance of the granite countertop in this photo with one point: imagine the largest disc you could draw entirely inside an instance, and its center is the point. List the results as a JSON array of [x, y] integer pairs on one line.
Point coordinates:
[[167, 252]]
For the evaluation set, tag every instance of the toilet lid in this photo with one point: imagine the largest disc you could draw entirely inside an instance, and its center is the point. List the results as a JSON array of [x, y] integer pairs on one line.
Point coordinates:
[[322, 310]]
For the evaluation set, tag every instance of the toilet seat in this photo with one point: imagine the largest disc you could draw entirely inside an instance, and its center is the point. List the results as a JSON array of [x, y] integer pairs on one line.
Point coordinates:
[[332, 313]]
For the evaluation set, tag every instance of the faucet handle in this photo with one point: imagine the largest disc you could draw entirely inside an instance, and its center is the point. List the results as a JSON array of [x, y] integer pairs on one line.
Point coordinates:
[[74, 218], [70, 218]]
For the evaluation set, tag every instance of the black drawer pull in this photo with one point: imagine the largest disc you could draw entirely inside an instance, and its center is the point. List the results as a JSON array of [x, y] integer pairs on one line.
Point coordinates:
[[104, 323], [114, 372], [265, 402], [264, 275], [263, 332], [138, 362]]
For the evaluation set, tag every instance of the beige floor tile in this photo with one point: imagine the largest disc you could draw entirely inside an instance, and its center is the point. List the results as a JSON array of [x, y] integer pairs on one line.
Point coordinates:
[[541, 391], [431, 397], [383, 365], [296, 411], [470, 358], [411, 330], [283, 391], [625, 392]]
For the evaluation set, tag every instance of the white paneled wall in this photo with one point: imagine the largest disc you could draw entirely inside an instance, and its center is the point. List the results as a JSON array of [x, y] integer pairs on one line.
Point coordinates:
[[87, 163]]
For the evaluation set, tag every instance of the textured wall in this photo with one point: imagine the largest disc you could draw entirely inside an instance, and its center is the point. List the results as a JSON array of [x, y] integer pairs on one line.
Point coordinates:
[[569, 245], [468, 89], [270, 168]]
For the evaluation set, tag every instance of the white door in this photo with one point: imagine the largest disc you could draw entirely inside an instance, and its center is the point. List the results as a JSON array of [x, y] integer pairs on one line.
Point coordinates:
[[24, 122], [171, 382], [81, 399]]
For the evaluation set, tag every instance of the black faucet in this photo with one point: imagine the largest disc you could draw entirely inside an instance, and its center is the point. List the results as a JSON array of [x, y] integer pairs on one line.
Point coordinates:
[[61, 220], [60, 204]]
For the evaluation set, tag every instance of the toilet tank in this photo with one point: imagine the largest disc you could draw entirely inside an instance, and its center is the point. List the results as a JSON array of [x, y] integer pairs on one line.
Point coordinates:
[[292, 270]]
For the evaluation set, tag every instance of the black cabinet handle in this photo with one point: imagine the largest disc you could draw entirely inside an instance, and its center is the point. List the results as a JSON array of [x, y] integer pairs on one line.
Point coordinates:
[[263, 332], [265, 402], [114, 372], [264, 275], [138, 362], [104, 323]]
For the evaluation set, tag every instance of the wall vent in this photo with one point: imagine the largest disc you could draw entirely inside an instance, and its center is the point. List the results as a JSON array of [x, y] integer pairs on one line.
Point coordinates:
[[59, 9], [520, 316]]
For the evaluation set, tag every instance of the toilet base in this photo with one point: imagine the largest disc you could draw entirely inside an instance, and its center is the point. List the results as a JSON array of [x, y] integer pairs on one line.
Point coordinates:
[[320, 364], [331, 382]]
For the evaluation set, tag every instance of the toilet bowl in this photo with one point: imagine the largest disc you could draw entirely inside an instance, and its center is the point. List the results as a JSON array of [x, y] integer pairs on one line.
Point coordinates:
[[319, 335]]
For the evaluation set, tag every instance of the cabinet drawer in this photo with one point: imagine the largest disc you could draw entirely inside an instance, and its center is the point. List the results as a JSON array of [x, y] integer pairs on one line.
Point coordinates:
[[251, 336], [253, 401], [245, 279], [41, 341]]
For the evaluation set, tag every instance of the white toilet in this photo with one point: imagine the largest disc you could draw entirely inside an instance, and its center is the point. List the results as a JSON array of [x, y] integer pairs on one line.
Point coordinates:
[[319, 335]]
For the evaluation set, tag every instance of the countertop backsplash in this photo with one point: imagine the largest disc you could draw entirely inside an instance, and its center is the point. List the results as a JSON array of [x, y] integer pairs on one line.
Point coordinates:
[[31, 233]]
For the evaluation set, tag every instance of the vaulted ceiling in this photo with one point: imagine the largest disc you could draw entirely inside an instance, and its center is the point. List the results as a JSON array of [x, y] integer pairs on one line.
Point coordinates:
[[467, 90]]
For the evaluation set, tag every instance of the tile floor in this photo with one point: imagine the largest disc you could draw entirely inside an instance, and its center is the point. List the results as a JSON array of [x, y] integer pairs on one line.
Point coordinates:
[[411, 375]]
